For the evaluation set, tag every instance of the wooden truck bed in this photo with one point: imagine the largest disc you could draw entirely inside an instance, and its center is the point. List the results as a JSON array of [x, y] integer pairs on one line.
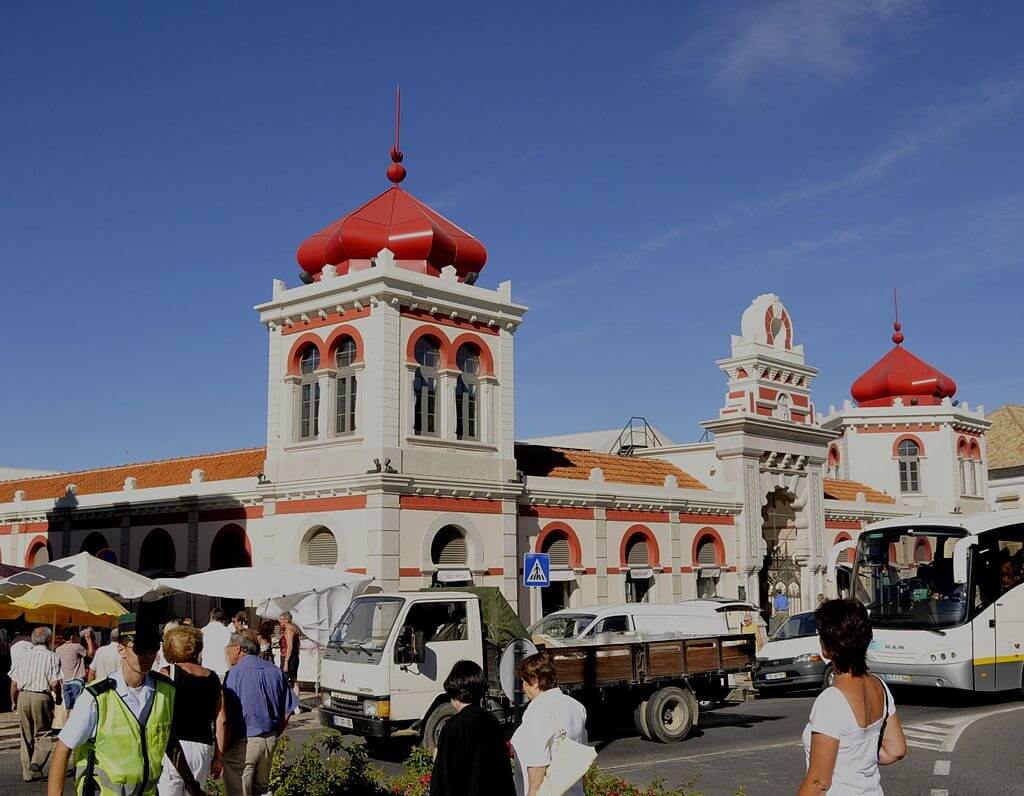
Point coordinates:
[[597, 665]]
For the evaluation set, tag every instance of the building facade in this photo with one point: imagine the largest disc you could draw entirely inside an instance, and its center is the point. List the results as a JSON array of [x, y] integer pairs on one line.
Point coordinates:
[[391, 451]]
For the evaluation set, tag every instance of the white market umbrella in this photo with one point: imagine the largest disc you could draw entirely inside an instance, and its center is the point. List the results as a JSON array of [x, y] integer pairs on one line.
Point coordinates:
[[83, 570]]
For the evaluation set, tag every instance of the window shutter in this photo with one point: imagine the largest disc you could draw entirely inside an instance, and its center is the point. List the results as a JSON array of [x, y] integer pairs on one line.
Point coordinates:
[[449, 548], [921, 552], [558, 548], [706, 553], [322, 549], [637, 555]]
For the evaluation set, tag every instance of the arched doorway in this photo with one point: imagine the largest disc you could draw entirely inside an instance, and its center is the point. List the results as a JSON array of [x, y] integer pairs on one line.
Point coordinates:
[[94, 542], [779, 578], [449, 553], [157, 556], [639, 567], [39, 553], [230, 548], [320, 548], [563, 580]]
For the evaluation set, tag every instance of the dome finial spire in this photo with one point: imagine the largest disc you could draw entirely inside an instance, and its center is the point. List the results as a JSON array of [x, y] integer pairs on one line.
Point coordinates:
[[897, 335], [396, 171]]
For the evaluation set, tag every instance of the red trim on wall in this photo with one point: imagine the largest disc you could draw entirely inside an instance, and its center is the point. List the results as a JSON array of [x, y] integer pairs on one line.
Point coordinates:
[[704, 519], [898, 428], [444, 344], [6, 530], [686, 570], [486, 358], [35, 527], [927, 547], [654, 552], [343, 503], [357, 570], [623, 515], [575, 551], [613, 570], [590, 570], [410, 572], [33, 546], [975, 450], [800, 400], [223, 515], [556, 512], [850, 525], [295, 353], [904, 437], [334, 339], [700, 536], [465, 505], [766, 393], [764, 411], [332, 318], [494, 571], [441, 320], [737, 394]]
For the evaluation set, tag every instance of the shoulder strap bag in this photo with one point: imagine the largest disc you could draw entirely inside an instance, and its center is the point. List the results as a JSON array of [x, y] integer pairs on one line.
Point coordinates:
[[885, 714]]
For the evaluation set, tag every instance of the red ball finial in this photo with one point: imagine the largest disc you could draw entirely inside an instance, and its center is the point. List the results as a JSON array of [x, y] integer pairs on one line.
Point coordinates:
[[897, 336]]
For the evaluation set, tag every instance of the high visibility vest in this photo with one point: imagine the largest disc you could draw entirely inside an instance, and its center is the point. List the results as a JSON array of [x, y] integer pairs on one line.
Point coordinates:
[[127, 757]]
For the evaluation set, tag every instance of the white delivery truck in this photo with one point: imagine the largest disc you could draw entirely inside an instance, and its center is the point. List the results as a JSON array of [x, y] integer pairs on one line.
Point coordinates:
[[384, 669]]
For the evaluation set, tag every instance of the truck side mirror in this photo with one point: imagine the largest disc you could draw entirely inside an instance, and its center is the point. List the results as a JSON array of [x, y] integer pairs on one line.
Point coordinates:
[[960, 558], [833, 559]]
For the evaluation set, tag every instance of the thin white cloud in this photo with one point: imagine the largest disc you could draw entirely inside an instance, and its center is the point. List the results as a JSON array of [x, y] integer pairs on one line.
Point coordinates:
[[832, 40]]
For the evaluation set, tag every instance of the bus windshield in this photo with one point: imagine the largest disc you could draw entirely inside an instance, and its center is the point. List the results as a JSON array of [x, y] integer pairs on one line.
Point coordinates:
[[904, 576]]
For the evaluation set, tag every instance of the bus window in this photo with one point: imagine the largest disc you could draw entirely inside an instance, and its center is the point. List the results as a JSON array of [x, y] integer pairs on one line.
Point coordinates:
[[999, 565]]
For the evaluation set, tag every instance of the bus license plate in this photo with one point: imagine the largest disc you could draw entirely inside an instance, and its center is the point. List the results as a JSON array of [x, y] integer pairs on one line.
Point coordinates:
[[897, 678], [343, 721], [775, 676]]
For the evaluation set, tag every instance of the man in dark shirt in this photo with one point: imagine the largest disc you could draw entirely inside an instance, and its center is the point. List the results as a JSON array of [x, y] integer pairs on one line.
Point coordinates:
[[472, 753]]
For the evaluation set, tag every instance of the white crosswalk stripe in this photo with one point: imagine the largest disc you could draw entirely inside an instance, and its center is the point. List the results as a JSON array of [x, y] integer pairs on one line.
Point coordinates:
[[928, 735]]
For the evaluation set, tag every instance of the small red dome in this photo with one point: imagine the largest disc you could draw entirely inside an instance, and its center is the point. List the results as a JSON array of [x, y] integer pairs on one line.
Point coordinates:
[[900, 374], [420, 238]]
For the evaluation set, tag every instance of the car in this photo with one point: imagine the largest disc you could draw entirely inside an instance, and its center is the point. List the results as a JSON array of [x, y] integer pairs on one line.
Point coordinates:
[[628, 621], [792, 658]]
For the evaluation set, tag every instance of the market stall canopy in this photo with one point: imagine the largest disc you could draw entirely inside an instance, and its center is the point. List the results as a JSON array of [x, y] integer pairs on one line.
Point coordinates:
[[67, 604], [83, 570]]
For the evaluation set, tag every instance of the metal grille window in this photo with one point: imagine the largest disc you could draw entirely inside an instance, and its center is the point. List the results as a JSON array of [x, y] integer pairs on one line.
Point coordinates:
[[910, 466], [637, 553], [345, 408], [706, 554], [309, 393], [557, 547], [322, 549], [467, 424], [428, 356], [449, 547]]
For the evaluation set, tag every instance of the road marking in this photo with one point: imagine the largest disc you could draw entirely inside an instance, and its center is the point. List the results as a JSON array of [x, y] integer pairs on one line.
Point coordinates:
[[939, 792], [942, 736], [721, 753], [941, 768], [962, 725]]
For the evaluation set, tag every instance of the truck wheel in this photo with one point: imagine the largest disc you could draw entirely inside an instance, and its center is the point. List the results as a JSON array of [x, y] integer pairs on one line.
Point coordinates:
[[694, 706], [435, 722], [670, 714], [640, 720]]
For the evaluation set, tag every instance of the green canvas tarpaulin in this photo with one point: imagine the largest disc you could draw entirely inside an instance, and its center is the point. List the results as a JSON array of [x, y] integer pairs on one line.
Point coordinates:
[[498, 617]]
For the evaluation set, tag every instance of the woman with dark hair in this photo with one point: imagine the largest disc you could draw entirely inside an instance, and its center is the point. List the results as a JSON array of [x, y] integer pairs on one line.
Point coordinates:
[[549, 713], [853, 727], [472, 756]]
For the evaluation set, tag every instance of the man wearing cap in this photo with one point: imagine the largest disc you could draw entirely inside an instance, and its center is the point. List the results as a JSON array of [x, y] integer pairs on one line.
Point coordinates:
[[120, 726]]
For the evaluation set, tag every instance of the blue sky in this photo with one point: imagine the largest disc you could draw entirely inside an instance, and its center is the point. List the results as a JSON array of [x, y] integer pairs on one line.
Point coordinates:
[[639, 171]]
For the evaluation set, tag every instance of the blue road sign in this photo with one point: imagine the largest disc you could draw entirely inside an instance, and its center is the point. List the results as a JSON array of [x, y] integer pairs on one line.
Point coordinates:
[[536, 569]]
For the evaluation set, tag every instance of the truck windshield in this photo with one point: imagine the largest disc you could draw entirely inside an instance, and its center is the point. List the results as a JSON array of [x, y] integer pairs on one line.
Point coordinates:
[[564, 626], [363, 630], [904, 576]]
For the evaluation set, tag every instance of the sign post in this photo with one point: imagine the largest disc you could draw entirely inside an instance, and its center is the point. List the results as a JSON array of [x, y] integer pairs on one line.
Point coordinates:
[[536, 570]]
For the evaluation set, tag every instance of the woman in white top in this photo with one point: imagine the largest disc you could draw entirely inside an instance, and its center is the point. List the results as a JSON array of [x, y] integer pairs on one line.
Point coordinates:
[[548, 714], [853, 727]]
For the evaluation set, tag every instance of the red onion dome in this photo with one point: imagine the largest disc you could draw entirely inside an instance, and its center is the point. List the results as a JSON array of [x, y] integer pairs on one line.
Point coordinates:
[[900, 374]]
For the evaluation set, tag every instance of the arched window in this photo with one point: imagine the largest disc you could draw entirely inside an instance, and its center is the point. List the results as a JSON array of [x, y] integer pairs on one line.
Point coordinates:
[[345, 400], [909, 466], [309, 393], [428, 356], [961, 455], [556, 545], [157, 555], [922, 555], [832, 468], [321, 548], [467, 423], [230, 548], [708, 567], [639, 577], [977, 476], [449, 547], [706, 556]]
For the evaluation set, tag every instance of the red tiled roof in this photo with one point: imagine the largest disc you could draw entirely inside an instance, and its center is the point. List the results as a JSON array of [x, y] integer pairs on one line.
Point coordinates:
[[545, 462], [841, 489], [246, 463]]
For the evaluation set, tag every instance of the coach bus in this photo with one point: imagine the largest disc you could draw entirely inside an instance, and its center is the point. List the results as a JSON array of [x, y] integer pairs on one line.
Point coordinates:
[[946, 599]]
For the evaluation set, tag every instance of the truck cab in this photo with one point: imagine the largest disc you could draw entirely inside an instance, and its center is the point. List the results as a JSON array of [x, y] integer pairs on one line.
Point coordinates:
[[384, 668]]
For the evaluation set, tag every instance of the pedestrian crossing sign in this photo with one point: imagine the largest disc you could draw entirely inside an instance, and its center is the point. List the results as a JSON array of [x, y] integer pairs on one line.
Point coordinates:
[[536, 569]]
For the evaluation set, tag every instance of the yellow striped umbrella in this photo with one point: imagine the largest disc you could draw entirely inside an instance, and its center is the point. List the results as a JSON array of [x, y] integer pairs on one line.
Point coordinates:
[[67, 604]]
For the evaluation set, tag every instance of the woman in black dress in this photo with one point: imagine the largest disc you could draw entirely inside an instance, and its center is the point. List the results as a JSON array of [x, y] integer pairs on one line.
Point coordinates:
[[472, 752]]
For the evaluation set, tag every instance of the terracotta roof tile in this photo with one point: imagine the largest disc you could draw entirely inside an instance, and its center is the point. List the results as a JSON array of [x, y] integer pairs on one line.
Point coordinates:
[[545, 462], [1006, 437], [841, 489], [167, 472]]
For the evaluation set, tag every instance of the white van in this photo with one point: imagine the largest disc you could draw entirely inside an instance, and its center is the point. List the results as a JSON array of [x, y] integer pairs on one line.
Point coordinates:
[[630, 620]]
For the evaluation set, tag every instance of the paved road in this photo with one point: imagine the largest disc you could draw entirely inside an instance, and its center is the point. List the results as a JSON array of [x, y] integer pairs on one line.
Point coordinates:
[[757, 746]]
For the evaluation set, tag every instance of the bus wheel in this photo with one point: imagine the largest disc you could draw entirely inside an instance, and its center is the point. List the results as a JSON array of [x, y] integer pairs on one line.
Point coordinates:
[[640, 719], [435, 723], [670, 714]]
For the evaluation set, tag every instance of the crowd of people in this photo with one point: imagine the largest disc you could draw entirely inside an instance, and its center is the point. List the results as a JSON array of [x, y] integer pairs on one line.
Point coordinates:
[[156, 709]]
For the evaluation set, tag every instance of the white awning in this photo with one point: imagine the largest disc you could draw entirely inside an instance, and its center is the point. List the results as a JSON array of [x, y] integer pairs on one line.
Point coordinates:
[[562, 575], [454, 575]]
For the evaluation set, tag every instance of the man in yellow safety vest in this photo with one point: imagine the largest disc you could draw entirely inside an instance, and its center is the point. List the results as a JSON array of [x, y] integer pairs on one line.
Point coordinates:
[[120, 726]]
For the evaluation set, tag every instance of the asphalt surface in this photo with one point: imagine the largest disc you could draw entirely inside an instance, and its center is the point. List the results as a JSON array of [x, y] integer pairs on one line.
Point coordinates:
[[757, 746]]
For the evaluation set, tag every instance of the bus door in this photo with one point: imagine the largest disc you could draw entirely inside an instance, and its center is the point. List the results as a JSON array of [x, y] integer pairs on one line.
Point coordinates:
[[984, 626]]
